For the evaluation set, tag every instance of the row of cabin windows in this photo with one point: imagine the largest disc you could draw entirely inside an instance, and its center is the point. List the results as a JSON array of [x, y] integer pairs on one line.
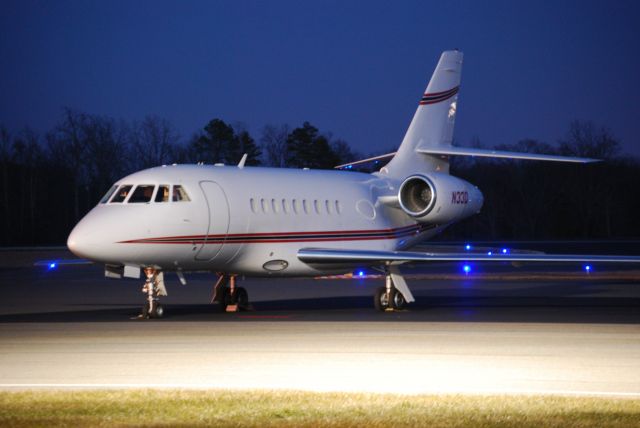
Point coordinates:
[[145, 193], [295, 206]]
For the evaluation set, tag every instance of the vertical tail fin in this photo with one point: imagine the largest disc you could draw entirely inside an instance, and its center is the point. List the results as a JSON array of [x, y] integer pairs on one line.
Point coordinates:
[[432, 124]]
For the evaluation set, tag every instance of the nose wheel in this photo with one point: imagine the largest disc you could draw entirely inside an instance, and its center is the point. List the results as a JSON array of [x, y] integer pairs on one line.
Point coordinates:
[[152, 310], [153, 288]]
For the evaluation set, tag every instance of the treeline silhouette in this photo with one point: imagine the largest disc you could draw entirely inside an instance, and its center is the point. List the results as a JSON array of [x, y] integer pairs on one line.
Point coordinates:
[[49, 182]]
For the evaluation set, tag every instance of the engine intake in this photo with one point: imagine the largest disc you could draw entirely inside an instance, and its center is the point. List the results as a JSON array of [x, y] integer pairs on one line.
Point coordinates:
[[417, 195]]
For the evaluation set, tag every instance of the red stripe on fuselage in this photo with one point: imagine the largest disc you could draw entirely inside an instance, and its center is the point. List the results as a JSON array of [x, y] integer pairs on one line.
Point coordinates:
[[281, 237]]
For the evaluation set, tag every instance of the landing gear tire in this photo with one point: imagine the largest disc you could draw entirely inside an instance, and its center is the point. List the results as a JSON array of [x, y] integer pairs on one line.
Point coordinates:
[[380, 300], [159, 311], [397, 300], [242, 297], [152, 311]]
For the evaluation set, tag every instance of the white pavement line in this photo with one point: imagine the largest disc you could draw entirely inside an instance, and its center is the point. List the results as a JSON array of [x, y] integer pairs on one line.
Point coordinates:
[[426, 392]]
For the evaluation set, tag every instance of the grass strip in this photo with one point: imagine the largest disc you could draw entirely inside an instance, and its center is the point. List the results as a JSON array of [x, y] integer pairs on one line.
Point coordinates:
[[307, 409]]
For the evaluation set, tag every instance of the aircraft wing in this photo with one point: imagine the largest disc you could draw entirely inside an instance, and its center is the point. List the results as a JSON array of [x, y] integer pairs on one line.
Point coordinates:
[[347, 257], [359, 162]]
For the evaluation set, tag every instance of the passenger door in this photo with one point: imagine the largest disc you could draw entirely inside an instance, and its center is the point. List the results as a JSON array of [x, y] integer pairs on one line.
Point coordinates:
[[218, 221]]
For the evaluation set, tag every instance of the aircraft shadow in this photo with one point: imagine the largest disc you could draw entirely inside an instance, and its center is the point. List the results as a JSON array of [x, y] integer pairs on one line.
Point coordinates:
[[516, 309]]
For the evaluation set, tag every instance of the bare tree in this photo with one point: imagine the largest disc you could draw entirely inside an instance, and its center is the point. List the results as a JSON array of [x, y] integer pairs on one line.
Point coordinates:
[[28, 154], [5, 158], [107, 155], [153, 142], [274, 144], [584, 138], [67, 145], [343, 151], [591, 194], [92, 149]]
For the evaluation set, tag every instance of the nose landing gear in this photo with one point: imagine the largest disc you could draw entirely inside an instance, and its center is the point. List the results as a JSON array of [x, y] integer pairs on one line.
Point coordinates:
[[153, 288]]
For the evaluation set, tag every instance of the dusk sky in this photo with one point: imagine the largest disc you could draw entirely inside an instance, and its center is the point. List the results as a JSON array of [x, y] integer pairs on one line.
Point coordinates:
[[355, 69]]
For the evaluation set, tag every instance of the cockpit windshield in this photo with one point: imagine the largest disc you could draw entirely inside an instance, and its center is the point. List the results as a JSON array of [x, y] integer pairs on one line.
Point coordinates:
[[107, 195], [179, 194], [121, 194], [142, 193], [163, 193]]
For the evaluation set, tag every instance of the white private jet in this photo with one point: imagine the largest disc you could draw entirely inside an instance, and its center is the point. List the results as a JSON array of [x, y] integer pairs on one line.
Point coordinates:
[[236, 220]]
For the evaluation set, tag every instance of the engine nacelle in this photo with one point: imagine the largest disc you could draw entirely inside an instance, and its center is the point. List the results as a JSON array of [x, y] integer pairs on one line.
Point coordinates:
[[438, 198]]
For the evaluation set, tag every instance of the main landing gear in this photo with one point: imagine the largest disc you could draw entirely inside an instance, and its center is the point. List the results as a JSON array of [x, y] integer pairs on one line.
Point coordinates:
[[230, 297], [153, 288], [387, 297], [395, 294]]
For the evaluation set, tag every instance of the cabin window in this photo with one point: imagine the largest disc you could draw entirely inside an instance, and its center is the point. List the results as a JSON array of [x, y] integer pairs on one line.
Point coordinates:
[[142, 194], [264, 206], [121, 194], [285, 206], [107, 195], [305, 206], [316, 206], [274, 206], [252, 202], [338, 207], [327, 205], [163, 193], [294, 204], [179, 194]]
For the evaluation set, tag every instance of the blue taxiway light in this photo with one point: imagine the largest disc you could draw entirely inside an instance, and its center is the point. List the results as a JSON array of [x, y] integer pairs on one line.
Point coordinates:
[[505, 251], [361, 273], [466, 269], [587, 268], [52, 265], [489, 253], [467, 247]]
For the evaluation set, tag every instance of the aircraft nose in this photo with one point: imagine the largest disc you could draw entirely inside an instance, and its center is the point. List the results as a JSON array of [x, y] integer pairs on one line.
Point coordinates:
[[76, 242], [83, 241]]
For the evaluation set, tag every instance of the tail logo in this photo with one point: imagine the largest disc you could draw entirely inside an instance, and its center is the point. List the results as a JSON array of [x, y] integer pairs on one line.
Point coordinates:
[[437, 97]]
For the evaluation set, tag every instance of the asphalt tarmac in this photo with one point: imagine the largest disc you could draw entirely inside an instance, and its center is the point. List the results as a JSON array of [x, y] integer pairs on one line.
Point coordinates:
[[72, 328]]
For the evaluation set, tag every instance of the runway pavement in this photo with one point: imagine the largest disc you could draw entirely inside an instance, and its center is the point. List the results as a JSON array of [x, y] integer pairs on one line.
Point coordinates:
[[71, 328]]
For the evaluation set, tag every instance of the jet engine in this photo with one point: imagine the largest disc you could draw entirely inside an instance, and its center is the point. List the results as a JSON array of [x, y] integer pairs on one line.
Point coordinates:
[[438, 198]]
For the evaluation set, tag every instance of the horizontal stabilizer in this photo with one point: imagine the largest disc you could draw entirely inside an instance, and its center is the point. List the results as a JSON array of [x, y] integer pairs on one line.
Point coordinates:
[[339, 256], [464, 151]]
